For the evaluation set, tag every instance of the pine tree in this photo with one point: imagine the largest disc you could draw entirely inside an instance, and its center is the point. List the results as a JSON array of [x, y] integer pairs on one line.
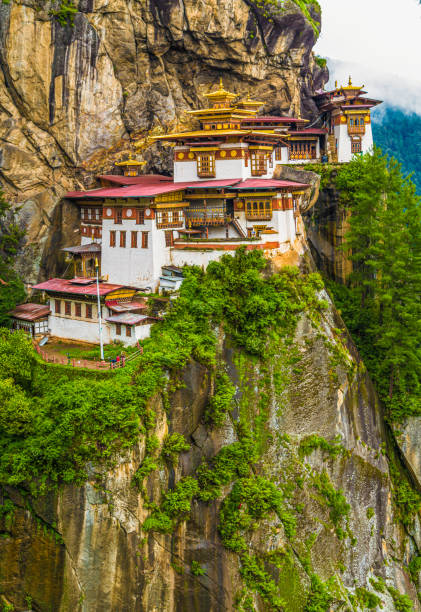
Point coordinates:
[[384, 308]]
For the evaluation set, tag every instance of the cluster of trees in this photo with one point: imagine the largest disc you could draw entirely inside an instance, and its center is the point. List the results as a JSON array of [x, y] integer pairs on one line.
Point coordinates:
[[381, 303], [12, 290], [398, 134]]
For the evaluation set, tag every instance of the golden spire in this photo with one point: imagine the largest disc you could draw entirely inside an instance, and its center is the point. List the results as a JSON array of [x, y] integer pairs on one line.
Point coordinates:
[[130, 165], [350, 81]]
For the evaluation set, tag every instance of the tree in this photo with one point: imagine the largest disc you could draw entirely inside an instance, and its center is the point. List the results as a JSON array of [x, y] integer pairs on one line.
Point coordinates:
[[12, 290], [383, 308]]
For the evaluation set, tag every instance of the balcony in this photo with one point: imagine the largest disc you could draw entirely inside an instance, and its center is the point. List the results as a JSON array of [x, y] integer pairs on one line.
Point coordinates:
[[169, 224], [356, 129], [301, 156], [262, 216]]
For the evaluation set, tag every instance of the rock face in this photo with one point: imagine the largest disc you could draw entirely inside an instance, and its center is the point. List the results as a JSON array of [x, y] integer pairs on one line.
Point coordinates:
[[84, 549], [71, 96]]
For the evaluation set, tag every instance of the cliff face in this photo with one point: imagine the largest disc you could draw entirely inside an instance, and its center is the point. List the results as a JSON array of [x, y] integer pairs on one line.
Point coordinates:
[[84, 549], [71, 96]]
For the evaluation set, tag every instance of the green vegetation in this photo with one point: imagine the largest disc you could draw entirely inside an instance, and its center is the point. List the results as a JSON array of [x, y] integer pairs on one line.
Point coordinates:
[[398, 134], [64, 13], [175, 507], [313, 442], [270, 9], [370, 513], [407, 500], [380, 303], [173, 445], [220, 403], [320, 597], [197, 569], [320, 61], [402, 602], [12, 291], [366, 600], [339, 508]]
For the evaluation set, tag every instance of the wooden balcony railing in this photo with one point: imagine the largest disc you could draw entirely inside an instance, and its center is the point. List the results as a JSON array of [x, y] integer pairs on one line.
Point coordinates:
[[356, 129], [261, 216], [169, 224]]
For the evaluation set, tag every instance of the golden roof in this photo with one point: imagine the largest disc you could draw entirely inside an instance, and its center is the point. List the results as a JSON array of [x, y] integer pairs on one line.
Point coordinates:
[[220, 93], [249, 102], [351, 86], [205, 133], [231, 111], [130, 162]]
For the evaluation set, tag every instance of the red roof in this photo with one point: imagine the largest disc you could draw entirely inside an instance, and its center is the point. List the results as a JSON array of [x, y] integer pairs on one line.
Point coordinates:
[[60, 285], [30, 312], [268, 184], [308, 131], [210, 184], [133, 180], [146, 189]]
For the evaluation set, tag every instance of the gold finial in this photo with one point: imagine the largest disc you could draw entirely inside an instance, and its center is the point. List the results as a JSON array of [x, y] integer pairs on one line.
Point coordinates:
[[336, 84], [221, 85], [350, 81]]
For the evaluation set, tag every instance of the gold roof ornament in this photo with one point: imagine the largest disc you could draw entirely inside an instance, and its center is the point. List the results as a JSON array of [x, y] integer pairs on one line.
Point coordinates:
[[131, 165], [351, 86], [220, 95]]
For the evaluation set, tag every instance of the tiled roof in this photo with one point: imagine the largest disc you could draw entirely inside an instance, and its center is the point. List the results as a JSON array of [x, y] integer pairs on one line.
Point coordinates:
[[60, 285], [30, 312], [267, 184], [133, 180], [128, 318], [93, 247], [273, 119]]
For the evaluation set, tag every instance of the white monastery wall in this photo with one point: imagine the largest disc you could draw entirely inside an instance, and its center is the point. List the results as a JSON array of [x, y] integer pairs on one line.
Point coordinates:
[[77, 329], [133, 266]]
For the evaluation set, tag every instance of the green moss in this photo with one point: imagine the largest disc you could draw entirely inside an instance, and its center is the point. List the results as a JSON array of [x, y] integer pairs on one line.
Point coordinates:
[[314, 442], [176, 507], [366, 600], [370, 513], [196, 569], [220, 403], [173, 445], [335, 500], [320, 597], [320, 61], [378, 584], [402, 602], [251, 500], [258, 579], [407, 501]]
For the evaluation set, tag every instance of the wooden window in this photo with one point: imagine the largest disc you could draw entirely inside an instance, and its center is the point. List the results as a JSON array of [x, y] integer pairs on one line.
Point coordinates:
[[259, 209], [134, 240], [128, 331], [140, 216], [258, 163], [57, 308], [356, 146], [278, 154], [122, 240], [88, 311], [169, 239], [206, 165], [145, 240], [118, 329], [112, 238], [78, 309], [118, 218], [68, 308]]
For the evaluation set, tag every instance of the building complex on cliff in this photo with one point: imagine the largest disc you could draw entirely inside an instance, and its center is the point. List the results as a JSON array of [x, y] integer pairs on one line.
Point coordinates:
[[142, 229]]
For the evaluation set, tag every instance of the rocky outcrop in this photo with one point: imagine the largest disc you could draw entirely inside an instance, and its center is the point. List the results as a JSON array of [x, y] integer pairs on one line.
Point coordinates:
[[72, 96], [84, 549]]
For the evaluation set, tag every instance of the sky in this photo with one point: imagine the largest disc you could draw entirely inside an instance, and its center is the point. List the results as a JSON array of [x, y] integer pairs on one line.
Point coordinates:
[[378, 42]]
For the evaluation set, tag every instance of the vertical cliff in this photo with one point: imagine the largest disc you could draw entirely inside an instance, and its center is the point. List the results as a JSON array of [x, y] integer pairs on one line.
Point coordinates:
[[279, 496], [71, 96]]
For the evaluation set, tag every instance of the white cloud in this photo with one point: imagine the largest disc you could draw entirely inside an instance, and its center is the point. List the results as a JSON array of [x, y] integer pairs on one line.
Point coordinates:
[[379, 43]]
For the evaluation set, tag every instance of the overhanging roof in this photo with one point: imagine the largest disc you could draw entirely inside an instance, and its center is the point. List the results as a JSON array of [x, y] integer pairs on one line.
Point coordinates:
[[30, 312], [60, 285]]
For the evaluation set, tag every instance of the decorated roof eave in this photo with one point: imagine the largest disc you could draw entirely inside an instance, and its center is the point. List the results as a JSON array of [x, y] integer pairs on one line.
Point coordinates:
[[219, 111], [204, 133]]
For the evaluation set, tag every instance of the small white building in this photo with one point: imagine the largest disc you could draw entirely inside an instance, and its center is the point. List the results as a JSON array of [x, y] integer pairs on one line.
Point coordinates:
[[74, 311]]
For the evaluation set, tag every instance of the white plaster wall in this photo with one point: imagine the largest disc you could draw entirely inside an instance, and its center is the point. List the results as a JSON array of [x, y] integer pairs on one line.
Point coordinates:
[[77, 329], [134, 266], [367, 139], [219, 232], [185, 171], [196, 257], [143, 331]]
